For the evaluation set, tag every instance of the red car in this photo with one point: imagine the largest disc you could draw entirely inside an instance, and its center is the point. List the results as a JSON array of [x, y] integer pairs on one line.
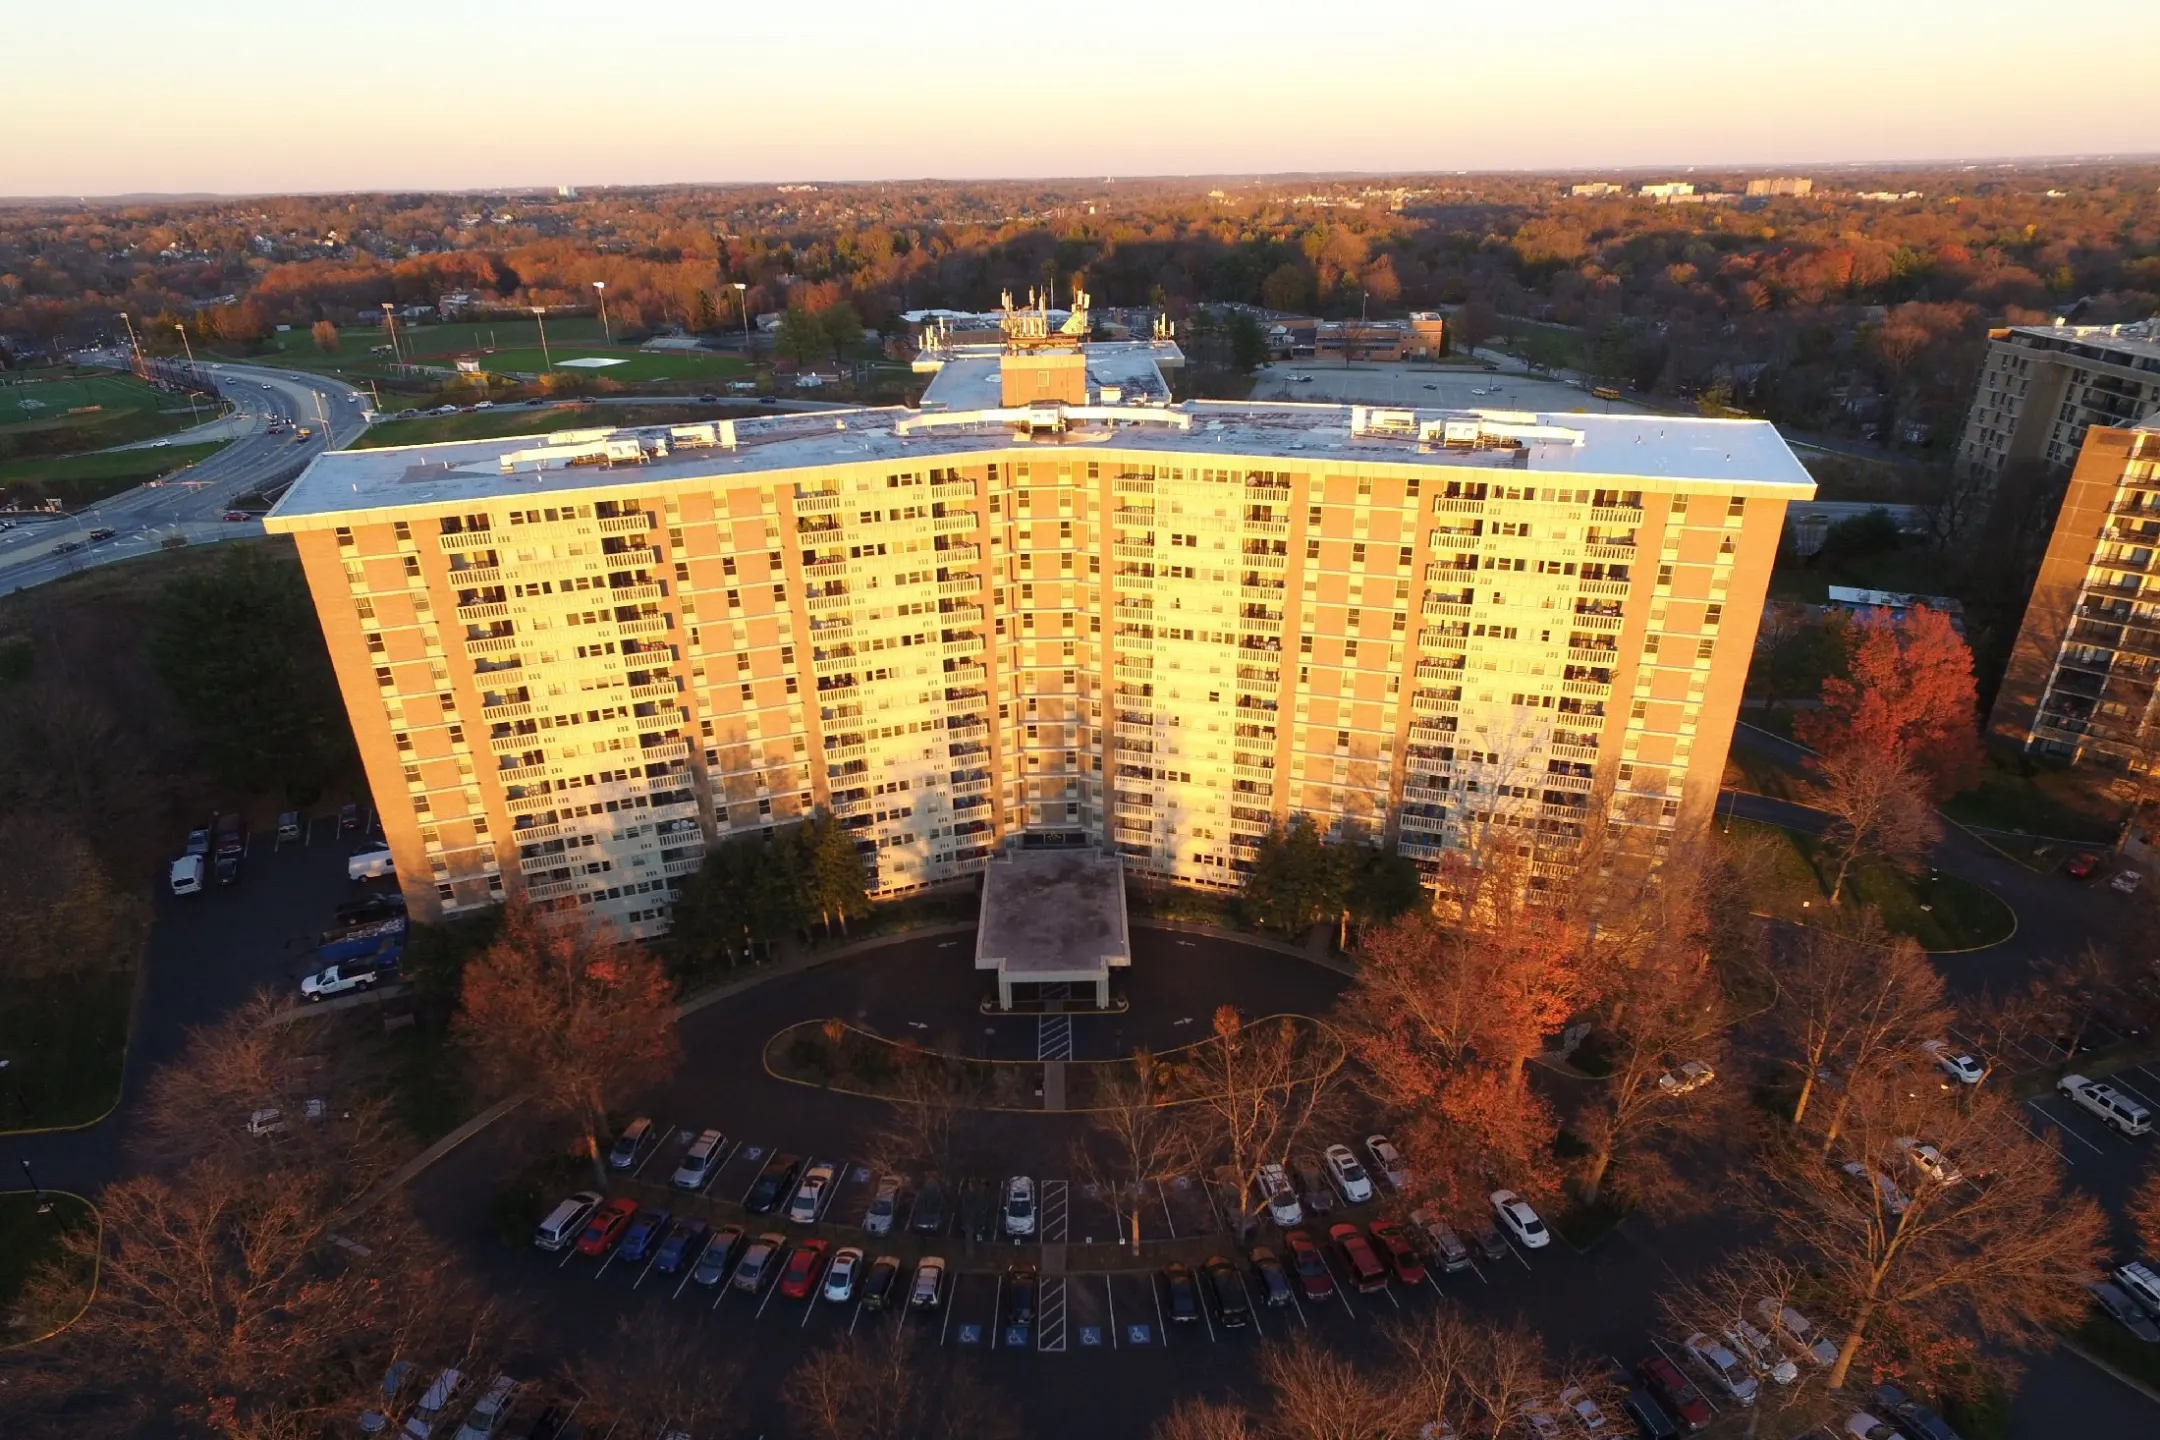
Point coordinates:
[[1366, 1271], [1314, 1277], [1669, 1385], [606, 1227], [1401, 1256], [2081, 866], [238, 515], [802, 1269]]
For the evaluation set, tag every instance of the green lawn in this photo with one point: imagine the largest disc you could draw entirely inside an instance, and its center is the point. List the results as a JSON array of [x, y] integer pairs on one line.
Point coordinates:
[[2039, 798], [35, 406], [84, 479], [64, 1038], [1942, 913], [521, 420], [636, 364], [27, 1239]]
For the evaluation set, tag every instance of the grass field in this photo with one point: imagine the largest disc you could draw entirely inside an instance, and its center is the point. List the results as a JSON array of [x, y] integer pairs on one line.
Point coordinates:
[[521, 420], [85, 479], [34, 408], [64, 1037], [1942, 912], [636, 364], [26, 1241]]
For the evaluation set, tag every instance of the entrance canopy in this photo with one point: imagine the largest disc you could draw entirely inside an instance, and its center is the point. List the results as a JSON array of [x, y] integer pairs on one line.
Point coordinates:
[[1053, 917]]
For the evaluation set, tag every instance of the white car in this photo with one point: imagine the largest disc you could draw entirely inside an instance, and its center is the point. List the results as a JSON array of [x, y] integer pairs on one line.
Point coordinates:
[[810, 1194], [1863, 1426], [1348, 1176], [1692, 1075], [1587, 1415], [1893, 1199], [1388, 1161], [488, 1412], [1759, 1353], [1519, 1220], [1796, 1332], [1272, 1184], [883, 1207], [1928, 1160], [1721, 1365], [1019, 1206], [2127, 881], [1544, 1424], [1963, 1068], [840, 1274], [928, 1290]]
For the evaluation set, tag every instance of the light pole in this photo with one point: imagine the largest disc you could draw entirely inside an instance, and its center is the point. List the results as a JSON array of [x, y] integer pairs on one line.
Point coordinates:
[[44, 1206], [540, 314], [742, 303], [135, 345], [607, 335], [389, 331], [190, 349]]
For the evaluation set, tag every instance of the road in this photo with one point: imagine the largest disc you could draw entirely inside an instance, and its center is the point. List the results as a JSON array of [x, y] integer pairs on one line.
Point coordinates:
[[191, 503]]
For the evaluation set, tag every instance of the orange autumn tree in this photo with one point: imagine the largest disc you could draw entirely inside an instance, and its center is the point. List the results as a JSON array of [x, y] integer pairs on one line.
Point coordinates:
[[572, 1017], [1446, 1010], [1908, 693]]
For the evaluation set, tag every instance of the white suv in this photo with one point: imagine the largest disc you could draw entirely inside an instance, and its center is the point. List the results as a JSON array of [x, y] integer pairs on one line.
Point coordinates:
[[2108, 1103], [1019, 1206], [810, 1195]]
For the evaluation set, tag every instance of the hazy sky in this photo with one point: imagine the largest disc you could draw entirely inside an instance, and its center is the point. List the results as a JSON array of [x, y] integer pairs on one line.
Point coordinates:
[[167, 95]]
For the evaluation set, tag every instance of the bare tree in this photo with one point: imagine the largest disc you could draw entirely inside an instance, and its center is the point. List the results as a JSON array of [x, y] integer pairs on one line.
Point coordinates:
[[1133, 1141], [1878, 809], [1250, 1092], [1857, 997], [1666, 1014], [664, 1382], [1194, 1419], [920, 1130], [1318, 1395], [1757, 1288], [862, 1389]]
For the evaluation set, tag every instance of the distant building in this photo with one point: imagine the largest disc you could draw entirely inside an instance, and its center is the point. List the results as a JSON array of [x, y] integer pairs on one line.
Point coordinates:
[[1782, 185], [2081, 679], [1852, 600], [1666, 190], [451, 306], [566, 192], [1595, 189], [1419, 337], [2042, 386]]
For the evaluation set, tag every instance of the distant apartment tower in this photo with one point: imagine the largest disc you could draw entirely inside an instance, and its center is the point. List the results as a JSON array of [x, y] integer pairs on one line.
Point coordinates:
[[1666, 190], [2081, 679], [1781, 185], [2043, 386], [1050, 607], [1595, 189]]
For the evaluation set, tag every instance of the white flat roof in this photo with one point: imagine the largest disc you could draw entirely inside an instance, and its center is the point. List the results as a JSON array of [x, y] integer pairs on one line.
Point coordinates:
[[1050, 915]]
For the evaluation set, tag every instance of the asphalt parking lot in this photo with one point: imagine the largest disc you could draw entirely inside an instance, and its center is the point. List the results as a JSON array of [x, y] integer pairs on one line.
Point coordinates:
[[1454, 387]]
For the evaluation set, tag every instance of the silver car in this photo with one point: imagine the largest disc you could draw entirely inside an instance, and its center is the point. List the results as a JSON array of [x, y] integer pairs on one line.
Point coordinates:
[[884, 1206]]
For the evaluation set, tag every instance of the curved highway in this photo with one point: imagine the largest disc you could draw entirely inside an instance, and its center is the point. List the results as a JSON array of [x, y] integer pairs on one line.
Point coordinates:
[[192, 502]]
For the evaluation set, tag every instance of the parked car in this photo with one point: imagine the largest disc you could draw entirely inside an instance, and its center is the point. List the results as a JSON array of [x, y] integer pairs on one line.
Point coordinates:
[[928, 1216], [1863, 1426], [1358, 1257], [760, 1262], [1395, 1247], [878, 1285], [700, 1161], [928, 1291], [1019, 1206], [489, 1411], [1648, 1413], [2142, 1283], [1488, 1240], [1181, 1296], [1913, 1418], [377, 1420], [1689, 1076], [776, 1180], [1272, 1184], [348, 817], [1441, 1241], [2105, 1101], [428, 1413], [1673, 1391], [1866, 1177], [1759, 1353], [1313, 1189], [2127, 881], [1926, 1160], [1020, 1282], [1796, 1333], [1388, 1161], [187, 875], [370, 908], [684, 1239], [198, 841], [643, 1233], [840, 1275], [1348, 1176], [802, 1269], [884, 1206], [1576, 1401], [1314, 1277], [810, 1194], [288, 826], [1958, 1066], [718, 1256], [1519, 1220], [1721, 1365], [2125, 1312], [2082, 866], [630, 1143], [1273, 1277], [606, 1226]]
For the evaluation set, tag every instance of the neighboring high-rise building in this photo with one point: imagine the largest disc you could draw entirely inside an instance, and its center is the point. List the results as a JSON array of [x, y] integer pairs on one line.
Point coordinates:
[[2043, 386], [1781, 185], [2081, 678], [1050, 607]]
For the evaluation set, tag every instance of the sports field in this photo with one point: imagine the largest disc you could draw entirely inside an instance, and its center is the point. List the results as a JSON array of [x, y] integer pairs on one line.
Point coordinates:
[[49, 412], [634, 364]]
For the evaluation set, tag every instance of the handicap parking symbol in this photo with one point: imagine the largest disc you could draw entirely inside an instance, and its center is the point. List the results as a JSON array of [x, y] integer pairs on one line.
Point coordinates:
[[970, 1334], [1138, 1334], [861, 1174], [1091, 1337], [754, 1152], [1016, 1337]]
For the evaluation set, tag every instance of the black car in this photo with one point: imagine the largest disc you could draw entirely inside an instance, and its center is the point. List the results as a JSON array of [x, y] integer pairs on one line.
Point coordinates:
[[67, 547], [876, 1290], [1914, 1418], [103, 532], [1274, 1277], [1649, 1416], [1227, 1290], [2126, 1312], [1488, 1240], [368, 910], [929, 1216], [228, 869], [1020, 1295], [348, 816], [775, 1184], [1181, 1297]]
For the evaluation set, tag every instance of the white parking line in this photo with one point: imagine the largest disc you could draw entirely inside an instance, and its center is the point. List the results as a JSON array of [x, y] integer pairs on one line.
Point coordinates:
[[952, 1303], [660, 1131], [2119, 1083], [2047, 1140], [1515, 1252], [1164, 1196], [840, 1171], [727, 1153], [651, 1260], [2062, 1128], [1200, 1299], [612, 1253], [997, 1312], [771, 1280], [1699, 1390], [1110, 1299], [1252, 1306], [690, 1264], [727, 1280], [1162, 1326], [817, 1290], [1342, 1288]]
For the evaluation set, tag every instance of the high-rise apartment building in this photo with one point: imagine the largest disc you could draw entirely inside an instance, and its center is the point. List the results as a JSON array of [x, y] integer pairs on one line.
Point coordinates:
[[2043, 386], [1050, 607], [2081, 678]]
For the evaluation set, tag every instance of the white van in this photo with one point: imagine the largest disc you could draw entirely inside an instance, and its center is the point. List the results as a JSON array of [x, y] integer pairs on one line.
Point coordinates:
[[370, 864], [2108, 1103], [697, 1166], [187, 875], [565, 1220]]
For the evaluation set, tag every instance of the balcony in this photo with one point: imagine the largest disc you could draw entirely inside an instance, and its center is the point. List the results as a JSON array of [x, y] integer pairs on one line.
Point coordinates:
[[1617, 514], [1593, 654], [501, 744], [515, 710], [1448, 609], [467, 540], [960, 585], [1267, 494], [961, 645], [1588, 689], [1266, 527], [628, 594], [631, 558], [677, 749], [1592, 620], [1580, 783], [664, 690], [1437, 702], [550, 890], [956, 520], [493, 610], [1424, 795], [965, 554], [1262, 773], [1603, 587], [838, 754], [525, 835], [1458, 507], [818, 604], [689, 865], [1132, 485], [953, 490], [1423, 824], [526, 804], [651, 625], [1126, 550], [520, 774], [818, 502], [826, 570], [1434, 670], [1572, 752], [623, 524], [1609, 551], [476, 575]]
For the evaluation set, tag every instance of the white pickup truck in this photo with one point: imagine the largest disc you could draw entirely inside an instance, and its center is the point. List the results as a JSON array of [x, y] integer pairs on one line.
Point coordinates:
[[339, 980]]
